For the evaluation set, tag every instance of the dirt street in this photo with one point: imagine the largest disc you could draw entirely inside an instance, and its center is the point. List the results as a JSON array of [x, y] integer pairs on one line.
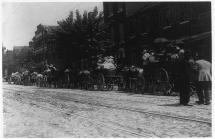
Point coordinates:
[[31, 111]]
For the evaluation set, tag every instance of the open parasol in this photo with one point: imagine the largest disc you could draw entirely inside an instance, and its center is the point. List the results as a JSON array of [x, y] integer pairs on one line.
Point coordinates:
[[26, 72], [179, 42], [161, 40], [47, 71], [67, 70]]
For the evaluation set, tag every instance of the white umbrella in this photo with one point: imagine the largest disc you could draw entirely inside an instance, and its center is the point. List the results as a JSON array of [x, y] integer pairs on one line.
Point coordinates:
[[178, 42], [67, 70], [160, 40], [48, 70]]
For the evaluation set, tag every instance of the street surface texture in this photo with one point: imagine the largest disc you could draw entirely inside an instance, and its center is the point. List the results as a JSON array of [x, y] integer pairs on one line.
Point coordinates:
[[31, 111]]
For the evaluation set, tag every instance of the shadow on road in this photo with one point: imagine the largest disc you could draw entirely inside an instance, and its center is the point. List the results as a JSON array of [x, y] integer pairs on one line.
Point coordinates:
[[173, 105]]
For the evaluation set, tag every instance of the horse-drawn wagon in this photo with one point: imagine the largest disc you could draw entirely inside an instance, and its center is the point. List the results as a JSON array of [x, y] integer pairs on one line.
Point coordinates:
[[161, 70], [104, 75]]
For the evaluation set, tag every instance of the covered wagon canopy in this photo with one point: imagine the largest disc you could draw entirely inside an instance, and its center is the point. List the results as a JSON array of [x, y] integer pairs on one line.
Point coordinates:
[[47, 70], [67, 70], [107, 63], [26, 72], [161, 40]]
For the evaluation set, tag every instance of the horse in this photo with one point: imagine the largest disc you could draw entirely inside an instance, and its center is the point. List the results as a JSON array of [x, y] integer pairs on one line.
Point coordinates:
[[26, 77], [33, 78], [40, 80], [16, 78], [83, 79], [133, 78], [53, 76]]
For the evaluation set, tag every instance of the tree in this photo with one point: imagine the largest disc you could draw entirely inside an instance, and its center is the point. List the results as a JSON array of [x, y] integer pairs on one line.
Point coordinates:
[[3, 50], [82, 37]]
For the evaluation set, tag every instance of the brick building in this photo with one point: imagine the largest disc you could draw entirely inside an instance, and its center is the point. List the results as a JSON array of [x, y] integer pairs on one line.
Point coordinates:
[[7, 62], [21, 57], [139, 23], [43, 44], [17, 59]]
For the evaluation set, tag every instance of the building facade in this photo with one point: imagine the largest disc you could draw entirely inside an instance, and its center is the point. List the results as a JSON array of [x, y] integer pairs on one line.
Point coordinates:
[[21, 57], [15, 60], [7, 63], [43, 44], [139, 23]]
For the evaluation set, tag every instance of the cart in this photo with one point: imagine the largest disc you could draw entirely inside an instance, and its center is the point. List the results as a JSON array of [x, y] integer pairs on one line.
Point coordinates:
[[134, 79], [104, 76], [104, 79]]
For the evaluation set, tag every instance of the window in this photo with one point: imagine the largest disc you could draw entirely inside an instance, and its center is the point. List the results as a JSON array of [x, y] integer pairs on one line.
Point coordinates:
[[145, 24], [185, 11], [132, 25], [133, 59], [112, 33], [121, 31], [164, 17], [110, 9], [120, 7]]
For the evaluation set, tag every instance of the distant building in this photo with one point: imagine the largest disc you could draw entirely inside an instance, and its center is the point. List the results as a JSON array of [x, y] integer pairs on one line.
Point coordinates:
[[21, 57], [43, 45], [21, 50], [7, 63], [139, 23], [17, 59]]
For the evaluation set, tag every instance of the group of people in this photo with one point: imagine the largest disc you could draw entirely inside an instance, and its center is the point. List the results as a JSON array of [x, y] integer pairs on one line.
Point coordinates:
[[189, 69], [106, 63], [197, 70], [25, 78], [186, 64]]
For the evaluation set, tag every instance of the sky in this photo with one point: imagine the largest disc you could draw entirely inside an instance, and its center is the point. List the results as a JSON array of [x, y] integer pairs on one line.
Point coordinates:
[[19, 20]]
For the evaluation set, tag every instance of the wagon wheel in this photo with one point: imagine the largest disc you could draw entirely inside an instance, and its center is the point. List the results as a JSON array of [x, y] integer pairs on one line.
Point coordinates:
[[141, 84], [100, 81], [152, 83], [163, 85], [89, 82], [133, 84], [192, 89], [122, 83], [109, 82], [81, 82]]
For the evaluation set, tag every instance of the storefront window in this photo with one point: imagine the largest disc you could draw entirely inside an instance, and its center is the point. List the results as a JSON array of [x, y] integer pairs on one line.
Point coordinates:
[[121, 30], [110, 9], [120, 7], [112, 33], [147, 24], [132, 26]]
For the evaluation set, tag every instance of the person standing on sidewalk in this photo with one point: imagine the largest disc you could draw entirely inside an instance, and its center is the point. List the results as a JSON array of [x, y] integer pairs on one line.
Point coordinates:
[[203, 81], [183, 79]]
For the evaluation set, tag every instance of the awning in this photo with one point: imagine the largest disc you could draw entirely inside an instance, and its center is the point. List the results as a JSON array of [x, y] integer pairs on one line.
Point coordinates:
[[196, 37]]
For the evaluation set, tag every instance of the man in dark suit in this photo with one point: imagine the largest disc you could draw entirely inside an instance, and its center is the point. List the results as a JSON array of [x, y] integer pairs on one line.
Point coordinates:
[[183, 79]]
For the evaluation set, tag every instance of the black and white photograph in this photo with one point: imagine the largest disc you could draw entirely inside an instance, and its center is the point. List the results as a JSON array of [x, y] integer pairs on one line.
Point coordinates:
[[106, 69]]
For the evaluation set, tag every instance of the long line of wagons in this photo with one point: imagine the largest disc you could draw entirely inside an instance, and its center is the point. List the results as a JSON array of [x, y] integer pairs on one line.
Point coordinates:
[[157, 75]]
